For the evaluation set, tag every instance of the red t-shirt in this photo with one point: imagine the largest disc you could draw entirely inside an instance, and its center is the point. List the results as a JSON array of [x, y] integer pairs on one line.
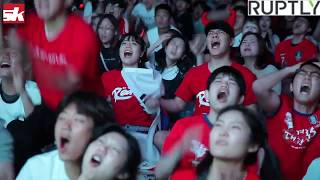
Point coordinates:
[[126, 107], [186, 169], [231, 19], [287, 54], [294, 138], [194, 85], [76, 46]]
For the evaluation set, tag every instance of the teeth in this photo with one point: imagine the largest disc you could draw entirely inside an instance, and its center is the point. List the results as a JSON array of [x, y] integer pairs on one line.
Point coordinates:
[[96, 158]]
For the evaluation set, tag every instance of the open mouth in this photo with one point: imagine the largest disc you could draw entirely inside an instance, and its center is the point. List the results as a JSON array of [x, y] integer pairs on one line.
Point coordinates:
[[247, 49], [215, 44], [222, 96], [127, 54], [63, 142], [5, 65], [96, 160], [305, 89]]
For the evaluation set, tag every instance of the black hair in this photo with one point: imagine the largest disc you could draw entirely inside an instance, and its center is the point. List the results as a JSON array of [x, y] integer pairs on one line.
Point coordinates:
[[134, 153], [184, 63], [270, 168], [140, 41], [113, 21], [241, 9], [310, 62], [91, 105], [221, 25], [253, 20], [230, 71], [261, 60], [165, 7]]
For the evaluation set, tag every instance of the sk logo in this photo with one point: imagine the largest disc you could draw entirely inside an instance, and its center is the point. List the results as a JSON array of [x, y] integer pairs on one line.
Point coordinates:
[[13, 13]]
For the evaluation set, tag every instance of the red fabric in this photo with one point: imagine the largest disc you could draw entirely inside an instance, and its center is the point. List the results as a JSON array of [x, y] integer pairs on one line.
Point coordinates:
[[295, 147], [123, 24], [251, 176], [126, 107], [185, 169], [75, 47], [231, 19], [287, 54], [194, 84]]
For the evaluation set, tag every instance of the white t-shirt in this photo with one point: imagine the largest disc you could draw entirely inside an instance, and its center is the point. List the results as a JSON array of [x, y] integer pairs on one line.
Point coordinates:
[[147, 16], [47, 166], [15, 110], [313, 172]]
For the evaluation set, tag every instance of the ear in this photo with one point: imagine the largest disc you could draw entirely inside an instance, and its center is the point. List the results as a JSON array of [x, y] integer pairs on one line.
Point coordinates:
[[123, 175], [253, 148], [206, 94], [241, 99]]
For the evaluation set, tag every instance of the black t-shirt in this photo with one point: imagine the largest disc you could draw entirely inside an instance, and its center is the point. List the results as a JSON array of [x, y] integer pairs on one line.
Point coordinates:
[[184, 23], [109, 59]]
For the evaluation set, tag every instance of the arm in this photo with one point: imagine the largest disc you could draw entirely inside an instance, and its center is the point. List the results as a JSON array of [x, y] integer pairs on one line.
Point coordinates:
[[267, 99], [6, 171], [154, 46], [173, 105]]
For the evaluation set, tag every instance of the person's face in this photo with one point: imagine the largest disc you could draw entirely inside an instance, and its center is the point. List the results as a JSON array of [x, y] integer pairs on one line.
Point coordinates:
[[105, 157], [181, 5], [5, 64], [106, 31], [239, 21], [175, 49], [224, 91], [249, 46], [130, 52], [300, 26], [162, 18], [218, 42], [72, 133], [49, 9], [114, 9], [265, 23], [230, 137], [306, 85], [250, 27]]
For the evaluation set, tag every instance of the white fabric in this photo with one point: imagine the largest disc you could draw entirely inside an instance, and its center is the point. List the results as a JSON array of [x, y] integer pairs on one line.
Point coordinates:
[[313, 172], [237, 40], [145, 82], [170, 73], [153, 36], [9, 112], [147, 16], [87, 12], [47, 166]]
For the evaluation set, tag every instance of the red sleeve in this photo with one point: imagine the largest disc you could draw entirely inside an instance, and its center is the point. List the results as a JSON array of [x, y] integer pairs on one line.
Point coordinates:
[[24, 31], [105, 78], [173, 138], [184, 91]]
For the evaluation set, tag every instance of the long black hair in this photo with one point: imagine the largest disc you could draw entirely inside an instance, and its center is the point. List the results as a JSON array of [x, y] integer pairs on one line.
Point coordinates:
[[270, 168]]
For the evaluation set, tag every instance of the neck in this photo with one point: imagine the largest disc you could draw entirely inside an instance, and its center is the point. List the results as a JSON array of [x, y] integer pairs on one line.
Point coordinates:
[[8, 87], [163, 30], [297, 38], [264, 33], [72, 170], [130, 66], [212, 116], [107, 45], [170, 63], [305, 108], [250, 62], [221, 169], [55, 25], [216, 62]]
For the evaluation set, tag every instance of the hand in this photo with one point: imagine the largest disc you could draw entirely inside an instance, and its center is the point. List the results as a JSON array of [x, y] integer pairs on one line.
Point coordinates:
[[152, 102], [163, 38], [198, 44], [17, 71]]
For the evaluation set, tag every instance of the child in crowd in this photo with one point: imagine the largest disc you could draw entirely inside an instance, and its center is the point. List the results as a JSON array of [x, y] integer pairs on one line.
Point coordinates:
[[254, 53], [18, 96], [219, 41], [80, 115], [293, 123], [114, 154], [184, 148], [107, 29]]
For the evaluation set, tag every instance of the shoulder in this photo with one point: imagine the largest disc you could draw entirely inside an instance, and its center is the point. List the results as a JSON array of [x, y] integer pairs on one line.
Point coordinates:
[[111, 74], [80, 30], [189, 121]]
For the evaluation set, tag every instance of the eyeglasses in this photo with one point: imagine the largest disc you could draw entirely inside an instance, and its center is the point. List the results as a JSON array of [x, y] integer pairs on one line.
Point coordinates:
[[312, 74]]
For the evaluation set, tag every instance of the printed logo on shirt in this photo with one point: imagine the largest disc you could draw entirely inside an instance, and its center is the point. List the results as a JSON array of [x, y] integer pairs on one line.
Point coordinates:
[[298, 56], [49, 57], [203, 101], [299, 139], [121, 93], [13, 13], [283, 59], [199, 150]]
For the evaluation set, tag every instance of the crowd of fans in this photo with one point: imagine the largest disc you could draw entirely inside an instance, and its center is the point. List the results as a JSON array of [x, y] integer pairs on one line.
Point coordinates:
[[158, 89]]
